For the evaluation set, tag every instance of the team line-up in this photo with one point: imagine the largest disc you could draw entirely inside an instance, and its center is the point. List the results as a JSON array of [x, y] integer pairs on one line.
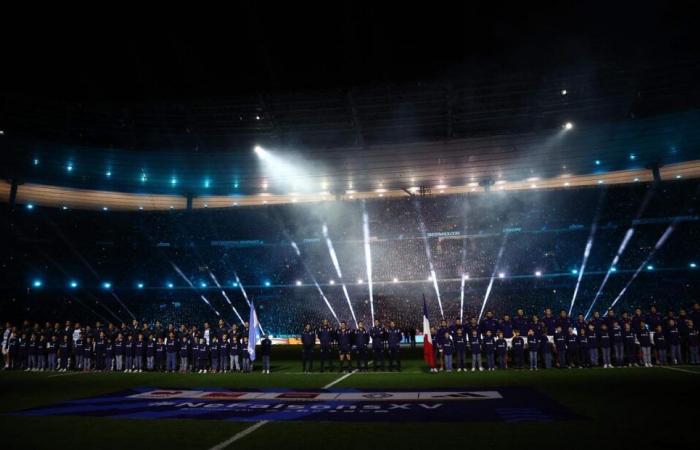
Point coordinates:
[[553, 341]]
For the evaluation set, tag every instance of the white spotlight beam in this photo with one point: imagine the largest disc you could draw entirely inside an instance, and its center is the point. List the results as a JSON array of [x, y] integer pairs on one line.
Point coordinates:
[[664, 237], [587, 250], [586, 253], [334, 258], [240, 286], [368, 258], [628, 235], [620, 251], [461, 298], [184, 277], [313, 279], [226, 296], [433, 275], [493, 276]]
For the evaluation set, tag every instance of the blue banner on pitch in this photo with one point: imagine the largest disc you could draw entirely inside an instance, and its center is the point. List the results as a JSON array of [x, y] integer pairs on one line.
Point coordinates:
[[511, 404]]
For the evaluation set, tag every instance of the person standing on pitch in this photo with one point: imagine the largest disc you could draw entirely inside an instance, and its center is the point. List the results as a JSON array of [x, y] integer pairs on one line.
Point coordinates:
[[184, 352], [661, 346], [502, 351], [344, 336], [460, 344], [560, 346], [572, 348], [361, 342], [673, 338], [170, 353], [518, 344], [605, 345], [139, 350], [214, 353], [151, 353], [532, 348], [644, 338], [265, 348], [618, 344], [119, 349], [325, 338], [693, 354], [51, 351], [489, 345], [378, 335], [630, 340], [128, 353], [475, 348], [245, 356], [593, 340], [308, 341], [394, 341], [545, 349], [447, 345]]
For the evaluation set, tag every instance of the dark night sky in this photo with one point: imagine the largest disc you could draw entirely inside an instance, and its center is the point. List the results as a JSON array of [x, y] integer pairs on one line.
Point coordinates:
[[250, 48]]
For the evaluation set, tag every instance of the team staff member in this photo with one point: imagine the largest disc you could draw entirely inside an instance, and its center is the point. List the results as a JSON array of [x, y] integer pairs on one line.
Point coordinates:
[[378, 335], [394, 341]]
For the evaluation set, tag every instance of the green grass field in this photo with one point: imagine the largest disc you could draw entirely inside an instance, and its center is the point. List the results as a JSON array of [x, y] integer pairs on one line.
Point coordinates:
[[620, 408]]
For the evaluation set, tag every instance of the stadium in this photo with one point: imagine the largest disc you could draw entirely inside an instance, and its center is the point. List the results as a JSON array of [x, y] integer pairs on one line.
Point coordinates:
[[371, 227]]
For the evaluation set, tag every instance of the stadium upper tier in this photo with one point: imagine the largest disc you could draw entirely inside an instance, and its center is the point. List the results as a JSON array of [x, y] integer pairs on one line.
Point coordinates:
[[585, 153]]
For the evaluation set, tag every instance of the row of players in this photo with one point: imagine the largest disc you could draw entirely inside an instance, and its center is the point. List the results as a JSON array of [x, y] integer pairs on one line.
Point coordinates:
[[139, 346]]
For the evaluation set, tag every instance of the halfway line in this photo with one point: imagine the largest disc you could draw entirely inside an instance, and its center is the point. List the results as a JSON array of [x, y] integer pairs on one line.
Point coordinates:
[[256, 425]]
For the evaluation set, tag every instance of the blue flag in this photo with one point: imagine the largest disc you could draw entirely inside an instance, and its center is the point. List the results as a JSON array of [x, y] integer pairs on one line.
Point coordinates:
[[253, 332]]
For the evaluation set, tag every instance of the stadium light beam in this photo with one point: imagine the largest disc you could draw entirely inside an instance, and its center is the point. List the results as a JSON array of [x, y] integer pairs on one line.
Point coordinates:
[[493, 275], [336, 264], [187, 280], [428, 254], [620, 251], [662, 240], [313, 278], [368, 257], [223, 293], [587, 250], [461, 297]]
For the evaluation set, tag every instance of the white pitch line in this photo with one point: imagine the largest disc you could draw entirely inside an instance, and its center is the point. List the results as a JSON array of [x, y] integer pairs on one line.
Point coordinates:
[[256, 425], [678, 369], [65, 374], [332, 383], [239, 435]]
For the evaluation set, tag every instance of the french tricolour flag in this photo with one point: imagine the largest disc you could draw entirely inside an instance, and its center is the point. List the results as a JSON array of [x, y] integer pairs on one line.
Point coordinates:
[[428, 354]]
